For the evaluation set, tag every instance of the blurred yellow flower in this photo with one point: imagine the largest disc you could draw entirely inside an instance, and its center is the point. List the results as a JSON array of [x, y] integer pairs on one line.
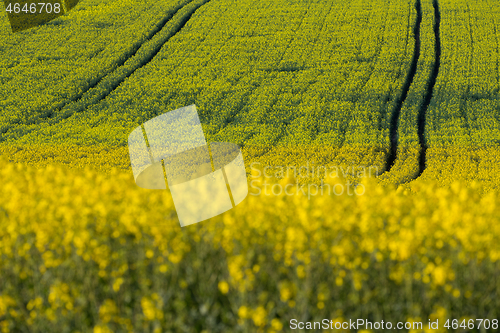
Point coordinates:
[[223, 287]]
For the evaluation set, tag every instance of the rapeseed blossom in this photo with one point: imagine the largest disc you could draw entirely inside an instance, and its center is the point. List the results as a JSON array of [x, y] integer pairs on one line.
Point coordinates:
[[76, 242]]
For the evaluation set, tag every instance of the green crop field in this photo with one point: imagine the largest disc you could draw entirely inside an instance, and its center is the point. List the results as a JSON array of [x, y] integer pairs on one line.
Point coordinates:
[[408, 88]]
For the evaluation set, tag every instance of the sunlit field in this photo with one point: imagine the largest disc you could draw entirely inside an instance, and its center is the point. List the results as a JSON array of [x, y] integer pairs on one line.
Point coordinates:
[[397, 100]]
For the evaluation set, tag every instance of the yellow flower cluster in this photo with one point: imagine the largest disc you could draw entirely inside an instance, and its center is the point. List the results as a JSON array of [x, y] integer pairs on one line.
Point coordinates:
[[93, 250]]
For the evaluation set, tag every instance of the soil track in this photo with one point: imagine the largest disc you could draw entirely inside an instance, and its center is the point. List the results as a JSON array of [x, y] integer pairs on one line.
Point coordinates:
[[393, 129], [430, 88]]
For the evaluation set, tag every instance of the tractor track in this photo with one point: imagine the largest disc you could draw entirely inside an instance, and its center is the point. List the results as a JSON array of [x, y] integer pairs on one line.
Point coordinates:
[[145, 59], [430, 89], [155, 31], [106, 84], [109, 81], [393, 129]]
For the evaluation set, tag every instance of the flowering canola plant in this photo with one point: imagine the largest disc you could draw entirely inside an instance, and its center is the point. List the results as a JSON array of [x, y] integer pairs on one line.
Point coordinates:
[[91, 252]]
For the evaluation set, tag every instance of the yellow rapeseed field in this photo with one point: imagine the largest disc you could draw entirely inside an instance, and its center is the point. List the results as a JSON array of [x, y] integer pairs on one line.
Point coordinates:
[[88, 251]]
